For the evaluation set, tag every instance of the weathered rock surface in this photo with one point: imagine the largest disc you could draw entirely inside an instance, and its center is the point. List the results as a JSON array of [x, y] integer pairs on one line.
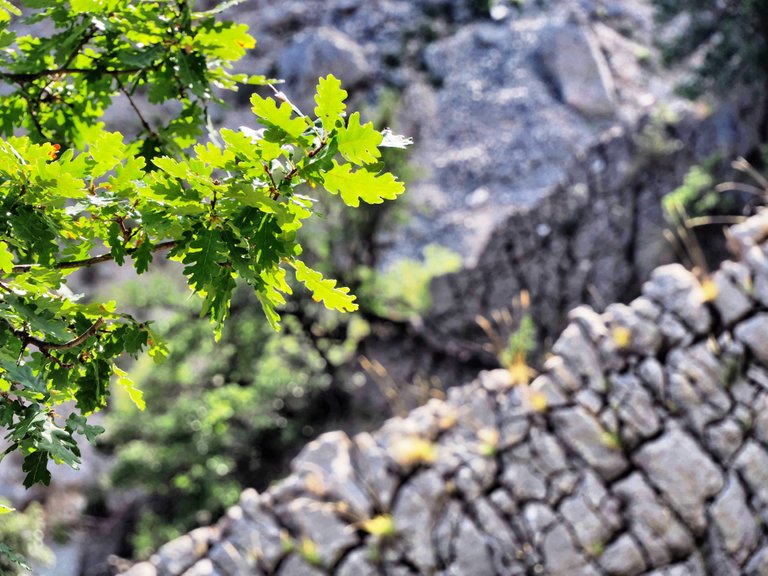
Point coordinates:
[[625, 473], [592, 237]]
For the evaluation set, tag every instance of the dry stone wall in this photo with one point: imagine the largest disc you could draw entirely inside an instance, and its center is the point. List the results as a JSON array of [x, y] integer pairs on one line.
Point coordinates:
[[650, 458]]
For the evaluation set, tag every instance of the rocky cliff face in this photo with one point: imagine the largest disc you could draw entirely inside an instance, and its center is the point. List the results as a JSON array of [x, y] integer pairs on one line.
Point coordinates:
[[598, 232], [651, 457], [497, 102]]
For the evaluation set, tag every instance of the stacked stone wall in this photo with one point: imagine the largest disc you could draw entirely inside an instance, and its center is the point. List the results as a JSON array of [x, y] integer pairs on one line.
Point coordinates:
[[651, 457]]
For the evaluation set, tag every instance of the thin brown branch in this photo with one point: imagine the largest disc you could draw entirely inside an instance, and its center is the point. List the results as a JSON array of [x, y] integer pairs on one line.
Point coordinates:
[[86, 262], [44, 346], [143, 120], [311, 154], [273, 191], [33, 114], [30, 76]]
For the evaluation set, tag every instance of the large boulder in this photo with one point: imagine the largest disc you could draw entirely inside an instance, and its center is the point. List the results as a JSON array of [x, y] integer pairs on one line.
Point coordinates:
[[573, 60]]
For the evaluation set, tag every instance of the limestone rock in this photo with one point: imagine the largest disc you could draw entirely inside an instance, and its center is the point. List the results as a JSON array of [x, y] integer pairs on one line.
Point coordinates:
[[622, 558], [754, 333], [738, 530], [561, 554], [205, 567], [678, 467], [678, 291], [472, 553], [179, 554], [322, 524], [652, 523], [584, 434], [572, 57], [326, 49], [731, 303]]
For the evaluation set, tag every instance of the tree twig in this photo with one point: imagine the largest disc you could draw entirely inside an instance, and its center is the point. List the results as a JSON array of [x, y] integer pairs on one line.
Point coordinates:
[[30, 76], [143, 120], [86, 262], [45, 347]]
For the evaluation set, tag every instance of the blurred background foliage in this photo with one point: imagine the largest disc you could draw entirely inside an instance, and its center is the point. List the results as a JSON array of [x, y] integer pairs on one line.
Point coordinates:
[[21, 541], [727, 41]]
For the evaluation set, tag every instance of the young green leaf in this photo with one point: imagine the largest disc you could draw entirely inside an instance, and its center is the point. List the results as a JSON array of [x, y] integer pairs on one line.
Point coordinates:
[[6, 8], [330, 101], [268, 112], [361, 185], [359, 143], [142, 256], [324, 290], [36, 467], [59, 444], [202, 259], [79, 424], [6, 258], [136, 395]]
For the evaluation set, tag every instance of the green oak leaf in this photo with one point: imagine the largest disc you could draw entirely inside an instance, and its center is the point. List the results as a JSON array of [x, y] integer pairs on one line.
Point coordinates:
[[361, 185], [324, 290], [36, 467], [203, 258], [269, 311], [359, 143], [330, 101], [6, 258], [23, 375], [136, 395], [93, 387], [79, 424], [267, 110], [6, 8], [142, 256], [116, 243], [59, 444]]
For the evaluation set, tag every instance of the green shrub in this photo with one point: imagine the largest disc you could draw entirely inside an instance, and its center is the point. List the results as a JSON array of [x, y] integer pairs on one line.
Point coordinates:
[[402, 289]]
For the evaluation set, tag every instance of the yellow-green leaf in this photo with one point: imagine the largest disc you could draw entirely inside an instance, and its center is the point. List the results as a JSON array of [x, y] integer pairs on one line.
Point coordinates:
[[93, 6], [361, 185], [6, 8], [136, 395], [330, 101], [324, 290], [171, 166], [359, 143], [280, 116], [6, 258]]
